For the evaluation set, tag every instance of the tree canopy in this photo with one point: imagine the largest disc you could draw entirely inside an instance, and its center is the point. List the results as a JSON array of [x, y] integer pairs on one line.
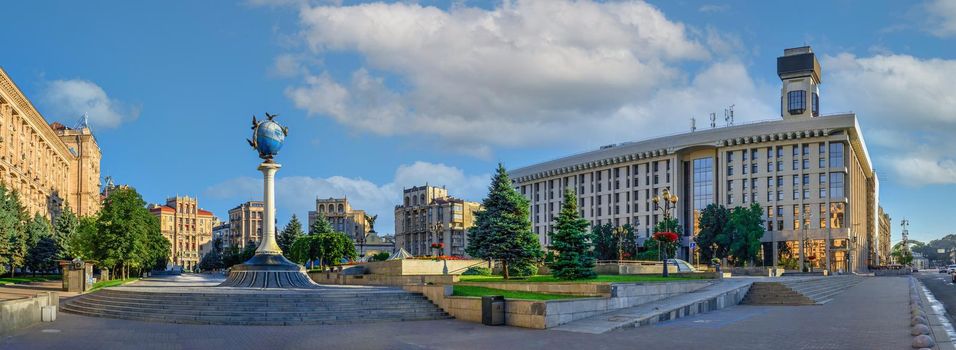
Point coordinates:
[[289, 234], [502, 228], [715, 232], [572, 243]]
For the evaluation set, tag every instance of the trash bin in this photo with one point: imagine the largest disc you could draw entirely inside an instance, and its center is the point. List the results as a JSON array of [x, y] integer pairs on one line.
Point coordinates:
[[493, 310]]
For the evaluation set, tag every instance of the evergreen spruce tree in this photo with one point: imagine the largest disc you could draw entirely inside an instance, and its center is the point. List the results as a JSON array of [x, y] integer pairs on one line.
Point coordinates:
[[321, 225], [502, 228], [41, 247], [288, 235], [572, 243], [13, 239]]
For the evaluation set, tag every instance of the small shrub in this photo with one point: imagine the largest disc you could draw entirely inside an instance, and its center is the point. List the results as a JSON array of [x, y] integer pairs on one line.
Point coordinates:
[[522, 270], [380, 256], [477, 271]]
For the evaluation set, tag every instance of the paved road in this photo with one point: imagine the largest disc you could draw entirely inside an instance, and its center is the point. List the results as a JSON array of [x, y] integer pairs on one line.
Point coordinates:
[[870, 315], [942, 287]]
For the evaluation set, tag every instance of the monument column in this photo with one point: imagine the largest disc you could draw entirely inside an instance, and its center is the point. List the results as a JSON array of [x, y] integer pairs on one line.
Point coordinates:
[[268, 244]]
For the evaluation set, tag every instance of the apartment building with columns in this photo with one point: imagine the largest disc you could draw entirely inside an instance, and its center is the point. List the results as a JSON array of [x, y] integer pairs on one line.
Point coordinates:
[[50, 166], [429, 215], [187, 227], [810, 173], [343, 218]]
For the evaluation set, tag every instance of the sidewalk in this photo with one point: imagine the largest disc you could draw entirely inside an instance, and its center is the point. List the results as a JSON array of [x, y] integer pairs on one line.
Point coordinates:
[[874, 314]]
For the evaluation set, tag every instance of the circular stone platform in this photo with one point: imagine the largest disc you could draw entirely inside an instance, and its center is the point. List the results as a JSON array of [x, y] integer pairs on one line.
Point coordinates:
[[268, 271]]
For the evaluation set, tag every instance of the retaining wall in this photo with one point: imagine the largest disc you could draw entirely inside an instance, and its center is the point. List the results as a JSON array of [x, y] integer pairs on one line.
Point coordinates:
[[19, 313], [380, 280], [420, 267]]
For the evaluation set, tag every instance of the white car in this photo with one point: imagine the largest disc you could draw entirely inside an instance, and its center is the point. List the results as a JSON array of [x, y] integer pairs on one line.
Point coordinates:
[[951, 268]]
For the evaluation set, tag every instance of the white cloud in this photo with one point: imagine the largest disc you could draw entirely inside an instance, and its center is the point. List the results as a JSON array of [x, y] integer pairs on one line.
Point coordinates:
[[296, 194], [907, 103], [524, 73], [941, 17], [70, 99]]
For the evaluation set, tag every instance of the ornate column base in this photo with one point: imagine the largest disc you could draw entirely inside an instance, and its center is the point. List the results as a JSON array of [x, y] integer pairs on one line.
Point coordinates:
[[266, 271]]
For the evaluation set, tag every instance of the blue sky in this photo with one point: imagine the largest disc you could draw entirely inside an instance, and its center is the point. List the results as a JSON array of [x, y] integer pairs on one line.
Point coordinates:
[[379, 96]]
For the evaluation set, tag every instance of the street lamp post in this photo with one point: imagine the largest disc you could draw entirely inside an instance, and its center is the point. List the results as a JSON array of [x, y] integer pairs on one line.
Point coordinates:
[[620, 231], [665, 202], [441, 251]]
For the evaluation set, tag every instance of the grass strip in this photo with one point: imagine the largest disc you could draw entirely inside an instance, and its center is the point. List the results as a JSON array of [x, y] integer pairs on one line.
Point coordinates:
[[473, 291]]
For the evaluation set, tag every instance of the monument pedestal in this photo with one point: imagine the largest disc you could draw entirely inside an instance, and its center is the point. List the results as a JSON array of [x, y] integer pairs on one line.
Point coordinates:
[[268, 271]]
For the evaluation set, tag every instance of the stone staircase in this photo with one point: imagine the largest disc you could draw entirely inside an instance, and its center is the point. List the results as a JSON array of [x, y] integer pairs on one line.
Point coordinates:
[[809, 291], [334, 306]]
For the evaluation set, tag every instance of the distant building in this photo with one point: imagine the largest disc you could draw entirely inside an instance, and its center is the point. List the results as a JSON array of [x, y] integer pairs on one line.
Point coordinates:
[[187, 227], [49, 165], [920, 261], [341, 216], [221, 231], [429, 215], [810, 173], [884, 237], [245, 225]]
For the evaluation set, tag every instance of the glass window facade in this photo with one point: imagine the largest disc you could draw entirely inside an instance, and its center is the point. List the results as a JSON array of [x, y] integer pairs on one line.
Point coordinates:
[[836, 185], [836, 155], [796, 101], [816, 105], [703, 178], [837, 211]]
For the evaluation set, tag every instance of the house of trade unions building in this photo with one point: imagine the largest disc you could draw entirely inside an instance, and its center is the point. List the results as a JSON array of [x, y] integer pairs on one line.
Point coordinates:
[[50, 166], [810, 174]]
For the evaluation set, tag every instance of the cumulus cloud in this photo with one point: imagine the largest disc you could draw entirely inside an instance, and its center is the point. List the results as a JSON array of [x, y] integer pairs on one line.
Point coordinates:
[[941, 17], [69, 99], [523, 73], [297, 194], [906, 102]]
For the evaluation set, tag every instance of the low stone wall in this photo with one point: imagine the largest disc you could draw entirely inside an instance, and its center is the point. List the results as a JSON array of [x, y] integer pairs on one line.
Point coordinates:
[[552, 313], [757, 271], [632, 268], [19, 313], [419, 267], [592, 289], [380, 280]]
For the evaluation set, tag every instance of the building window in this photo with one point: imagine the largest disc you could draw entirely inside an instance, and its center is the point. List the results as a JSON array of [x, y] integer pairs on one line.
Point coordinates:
[[836, 185], [823, 163], [743, 169], [769, 182], [816, 104], [796, 180], [796, 194], [806, 149], [794, 150], [730, 198], [779, 195], [779, 181], [806, 163], [769, 167], [836, 155], [730, 170], [753, 168], [823, 192], [796, 164], [837, 215], [703, 184], [806, 193], [769, 196], [779, 165], [796, 102], [730, 185]]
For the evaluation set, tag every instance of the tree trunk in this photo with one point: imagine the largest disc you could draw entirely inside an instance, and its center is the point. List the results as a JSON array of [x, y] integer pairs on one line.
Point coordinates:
[[504, 269]]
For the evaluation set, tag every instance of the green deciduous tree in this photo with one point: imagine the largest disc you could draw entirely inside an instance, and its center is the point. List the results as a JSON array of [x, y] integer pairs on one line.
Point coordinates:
[[502, 228], [327, 248], [748, 226], [64, 231], [604, 241], [126, 236], [212, 260], [572, 243], [715, 233], [289, 234]]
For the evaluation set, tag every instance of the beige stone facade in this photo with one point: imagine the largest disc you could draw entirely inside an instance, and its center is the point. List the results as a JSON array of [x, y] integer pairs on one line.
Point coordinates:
[[810, 174], [884, 237], [429, 215], [341, 216], [187, 227], [42, 164], [245, 225]]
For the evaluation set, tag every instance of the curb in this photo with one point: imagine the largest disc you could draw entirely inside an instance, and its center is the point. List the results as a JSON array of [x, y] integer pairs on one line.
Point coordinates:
[[930, 327]]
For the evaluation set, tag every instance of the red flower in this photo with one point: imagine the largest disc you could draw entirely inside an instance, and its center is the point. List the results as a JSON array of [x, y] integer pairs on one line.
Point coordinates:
[[666, 237], [438, 245]]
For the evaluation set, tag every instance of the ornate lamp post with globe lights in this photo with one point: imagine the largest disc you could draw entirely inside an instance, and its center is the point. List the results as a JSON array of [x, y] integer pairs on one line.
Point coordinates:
[[268, 268], [665, 202]]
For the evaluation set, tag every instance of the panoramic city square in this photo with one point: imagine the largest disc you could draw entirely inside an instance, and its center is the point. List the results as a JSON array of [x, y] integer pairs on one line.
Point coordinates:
[[478, 174]]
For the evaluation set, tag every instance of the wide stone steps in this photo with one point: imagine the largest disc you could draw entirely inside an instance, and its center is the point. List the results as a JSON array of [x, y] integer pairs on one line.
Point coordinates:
[[250, 308], [811, 291]]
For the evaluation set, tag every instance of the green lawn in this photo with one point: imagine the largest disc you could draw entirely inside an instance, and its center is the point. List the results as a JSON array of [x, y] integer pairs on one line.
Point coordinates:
[[27, 279], [600, 278], [472, 291], [111, 283]]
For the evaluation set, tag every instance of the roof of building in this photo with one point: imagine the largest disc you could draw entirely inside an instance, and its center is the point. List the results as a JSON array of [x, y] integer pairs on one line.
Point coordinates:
[[756, 132], [162, 208], [203, 212]]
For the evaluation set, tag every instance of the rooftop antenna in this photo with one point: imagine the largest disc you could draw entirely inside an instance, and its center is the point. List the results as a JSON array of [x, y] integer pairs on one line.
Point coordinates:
[[729, 116], [693, 124], [84, 122], [713, 120]]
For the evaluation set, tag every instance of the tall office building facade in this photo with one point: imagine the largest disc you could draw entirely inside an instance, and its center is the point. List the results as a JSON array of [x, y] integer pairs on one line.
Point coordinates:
[[339, 213], [810, 174], [51, 166], [429, 215]]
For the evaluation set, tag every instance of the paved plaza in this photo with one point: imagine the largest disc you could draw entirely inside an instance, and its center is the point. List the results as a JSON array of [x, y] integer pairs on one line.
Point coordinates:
[[870, 315]]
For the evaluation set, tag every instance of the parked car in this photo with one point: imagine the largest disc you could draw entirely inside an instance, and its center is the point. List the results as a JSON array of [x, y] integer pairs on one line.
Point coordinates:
[[951, 268], [943, 269]]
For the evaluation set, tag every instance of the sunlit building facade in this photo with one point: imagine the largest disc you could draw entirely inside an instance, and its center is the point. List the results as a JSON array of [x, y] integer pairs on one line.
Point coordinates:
[[429, 215], [245, 225], [187, 227], [810, 174]]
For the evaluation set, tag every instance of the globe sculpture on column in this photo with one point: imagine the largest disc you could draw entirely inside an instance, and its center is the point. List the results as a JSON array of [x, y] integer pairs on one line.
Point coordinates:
[[268, 268]]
